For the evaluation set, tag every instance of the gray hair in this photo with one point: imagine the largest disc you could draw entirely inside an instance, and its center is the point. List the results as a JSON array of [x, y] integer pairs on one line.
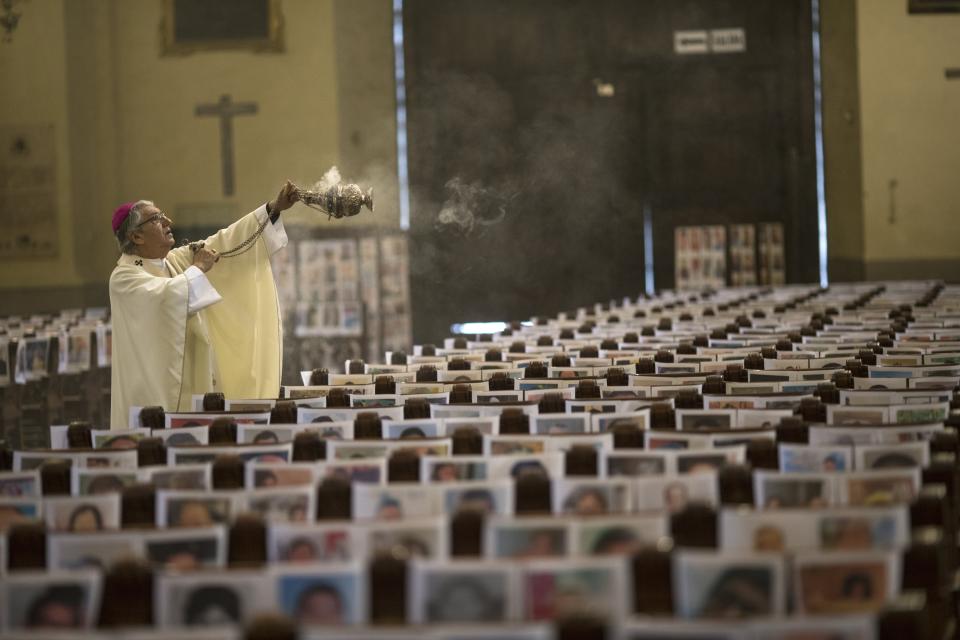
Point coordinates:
[[130, 224]]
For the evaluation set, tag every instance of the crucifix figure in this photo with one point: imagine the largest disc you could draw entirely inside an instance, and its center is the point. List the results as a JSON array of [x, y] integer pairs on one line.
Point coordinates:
[[226, 109]]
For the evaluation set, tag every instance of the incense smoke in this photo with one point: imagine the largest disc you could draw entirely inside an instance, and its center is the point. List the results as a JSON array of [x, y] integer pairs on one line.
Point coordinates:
[[330, 179], [471, 204]]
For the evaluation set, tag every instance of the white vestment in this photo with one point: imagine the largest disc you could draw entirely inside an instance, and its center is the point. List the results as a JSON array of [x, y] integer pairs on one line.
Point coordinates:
[[178, 332]]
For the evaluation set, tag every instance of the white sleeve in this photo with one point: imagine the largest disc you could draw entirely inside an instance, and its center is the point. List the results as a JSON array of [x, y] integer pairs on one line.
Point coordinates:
[[274, 235], [201, 293]]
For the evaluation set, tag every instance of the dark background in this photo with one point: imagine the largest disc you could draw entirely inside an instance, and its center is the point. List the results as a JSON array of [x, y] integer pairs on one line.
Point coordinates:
[[501, 96]]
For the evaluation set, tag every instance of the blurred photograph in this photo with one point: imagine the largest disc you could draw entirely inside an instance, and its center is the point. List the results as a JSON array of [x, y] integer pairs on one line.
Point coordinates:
[[193, 508], [82, 514], [309, 542], [814, 459], [491, 497], [418, 538], [551, 589], [211, 598], [527, 538], [461, 592], [591, 497], [842, 583], [780, 490], [453, 469], [617, 535], [321, 595], [52, 601], [728, 586], [186, 549], [881, 487]]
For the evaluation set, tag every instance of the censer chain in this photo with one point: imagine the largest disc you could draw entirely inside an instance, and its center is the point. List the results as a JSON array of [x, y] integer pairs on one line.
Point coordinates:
[[241, 248]]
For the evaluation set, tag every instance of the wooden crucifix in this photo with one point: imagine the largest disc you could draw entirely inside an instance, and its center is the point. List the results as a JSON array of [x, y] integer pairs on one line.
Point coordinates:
[[226, 109]]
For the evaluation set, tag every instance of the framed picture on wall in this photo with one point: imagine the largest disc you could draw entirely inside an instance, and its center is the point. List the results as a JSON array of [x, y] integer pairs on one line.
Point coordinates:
[[189, 26], [933, 6]]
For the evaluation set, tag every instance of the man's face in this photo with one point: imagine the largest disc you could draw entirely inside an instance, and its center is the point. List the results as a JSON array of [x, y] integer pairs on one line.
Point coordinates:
[[154, 236], [321, 608]]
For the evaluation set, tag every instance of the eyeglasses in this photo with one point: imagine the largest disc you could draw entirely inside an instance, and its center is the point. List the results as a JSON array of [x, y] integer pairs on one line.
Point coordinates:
[[160, 217]]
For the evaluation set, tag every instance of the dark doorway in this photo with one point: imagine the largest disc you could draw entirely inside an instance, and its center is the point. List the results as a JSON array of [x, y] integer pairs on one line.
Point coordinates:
[[528, 180]]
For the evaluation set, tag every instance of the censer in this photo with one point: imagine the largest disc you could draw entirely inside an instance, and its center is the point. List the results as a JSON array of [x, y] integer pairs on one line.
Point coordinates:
[[339, 201]]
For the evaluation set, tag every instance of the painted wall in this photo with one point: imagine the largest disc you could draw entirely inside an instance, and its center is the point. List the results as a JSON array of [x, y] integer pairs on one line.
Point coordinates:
[[33, 70], [126, 129], [911, 135], [841, 138]]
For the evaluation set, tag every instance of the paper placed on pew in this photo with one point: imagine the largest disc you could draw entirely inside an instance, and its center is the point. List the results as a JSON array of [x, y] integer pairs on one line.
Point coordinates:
[[559, 424], [592, 496], [119, 459], [617, 534], [528, 537], [184, 436], [815, 459], [708, 584], [462, 592], [305, 414], [196, 508], [510, 466], [26, 591], [19, 510], [280, 504], [315, 542], [485, 496], [32, 359], [186, 599], [321, 391], [820, 435], [260, 475], [672, 493], [16, 484], [296, 592], [453, 468], [394, 502], [186, 549], [604, 422], [892, 455], [267, 434], [82, 514], [485, 425], [99, 551], [179, 420], [262, 452], [833, 529], [414, 429], [842, 583], [118, 438], [184, 476], [87, 481]]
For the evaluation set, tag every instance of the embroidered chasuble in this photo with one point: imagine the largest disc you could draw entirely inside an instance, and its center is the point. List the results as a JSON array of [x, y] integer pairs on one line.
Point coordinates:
[[164, 353]]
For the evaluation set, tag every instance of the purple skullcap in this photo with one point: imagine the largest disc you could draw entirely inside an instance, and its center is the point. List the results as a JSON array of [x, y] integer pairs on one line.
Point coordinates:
[[120, 214]]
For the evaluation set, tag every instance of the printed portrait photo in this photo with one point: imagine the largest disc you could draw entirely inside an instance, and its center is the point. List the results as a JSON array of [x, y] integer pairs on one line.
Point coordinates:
[[461, 592], [527, 538], [321, 595], [849, 583], [82, 514], [572, 587], [309, 543], [186, 549], [727, 587], [58, 600]]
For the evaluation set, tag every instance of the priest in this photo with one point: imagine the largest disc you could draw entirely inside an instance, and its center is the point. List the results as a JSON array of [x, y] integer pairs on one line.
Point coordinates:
[[198, 318]]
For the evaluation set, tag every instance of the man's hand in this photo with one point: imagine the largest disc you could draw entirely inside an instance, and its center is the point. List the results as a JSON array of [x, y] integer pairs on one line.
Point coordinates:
[[204, 258], [285, 199]]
